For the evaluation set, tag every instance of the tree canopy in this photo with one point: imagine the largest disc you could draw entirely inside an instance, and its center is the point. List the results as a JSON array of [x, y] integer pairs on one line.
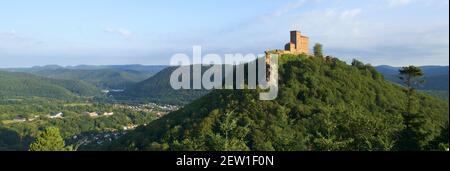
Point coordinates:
[[323, 104], [49, 140]]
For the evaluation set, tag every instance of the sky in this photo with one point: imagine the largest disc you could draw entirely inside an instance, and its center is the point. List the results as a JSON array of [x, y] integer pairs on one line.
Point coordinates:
[[106, 32]]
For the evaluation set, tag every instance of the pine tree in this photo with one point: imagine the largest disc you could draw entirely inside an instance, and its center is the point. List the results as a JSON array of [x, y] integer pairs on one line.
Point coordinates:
[[413, 137], [49, 140], [411, 78]]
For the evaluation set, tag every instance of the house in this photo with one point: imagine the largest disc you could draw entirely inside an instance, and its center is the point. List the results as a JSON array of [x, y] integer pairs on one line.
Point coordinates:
[[92, 114], [56, 115], [130, 127], [19, 119], [33, 118], [160, 114], [108, 113]]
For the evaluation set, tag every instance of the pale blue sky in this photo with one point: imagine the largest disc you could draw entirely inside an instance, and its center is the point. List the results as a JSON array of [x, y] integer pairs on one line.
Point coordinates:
[[103, 32]]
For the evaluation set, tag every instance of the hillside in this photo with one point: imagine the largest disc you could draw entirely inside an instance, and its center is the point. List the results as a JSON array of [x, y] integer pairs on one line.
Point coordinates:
[[104, 77], [436, 77], [158, 89], [323, 104], [435, 83], [138, 68], [27, 85]]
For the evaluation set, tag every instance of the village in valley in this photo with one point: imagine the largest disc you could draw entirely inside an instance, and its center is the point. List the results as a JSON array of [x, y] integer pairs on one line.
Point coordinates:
[[102, 136], [158, 109]]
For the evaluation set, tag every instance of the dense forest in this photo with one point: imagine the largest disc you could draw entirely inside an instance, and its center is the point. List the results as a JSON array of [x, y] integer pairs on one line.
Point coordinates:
[[35, 112], [104, 77], [323, 104], [435, 81], [158, 89], [28, 85], [30, 96]]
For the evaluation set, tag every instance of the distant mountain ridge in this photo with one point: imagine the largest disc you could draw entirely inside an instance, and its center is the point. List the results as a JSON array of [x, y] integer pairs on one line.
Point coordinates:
[[28, 85], [428, 70], [104, 77], [134, 67], [158, 89], [436, 77]]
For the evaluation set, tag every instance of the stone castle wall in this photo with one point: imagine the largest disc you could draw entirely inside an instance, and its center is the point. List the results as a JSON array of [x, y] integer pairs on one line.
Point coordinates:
[[298, 45]]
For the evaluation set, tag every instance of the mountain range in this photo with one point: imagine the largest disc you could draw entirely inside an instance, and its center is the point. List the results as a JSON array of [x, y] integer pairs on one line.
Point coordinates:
[[28, 85], [141, 83], [436, 77], [103, 77]]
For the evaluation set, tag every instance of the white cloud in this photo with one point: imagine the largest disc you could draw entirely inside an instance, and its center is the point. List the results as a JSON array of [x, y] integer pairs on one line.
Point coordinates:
[[352, 32], [120, 31], [397, 3], [10, 34], [13, 40], [350, 14], [284, 10], [288, 8]]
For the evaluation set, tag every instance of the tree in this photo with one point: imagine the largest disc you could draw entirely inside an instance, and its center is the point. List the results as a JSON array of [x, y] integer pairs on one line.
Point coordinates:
[[323, 105], [231, 136], [49, 140], [318, 50], [358, 64], [412, 137], [441, 142], [411, 77]]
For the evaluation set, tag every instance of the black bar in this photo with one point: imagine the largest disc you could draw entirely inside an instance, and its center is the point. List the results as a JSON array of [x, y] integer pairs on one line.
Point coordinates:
[[168, 160]]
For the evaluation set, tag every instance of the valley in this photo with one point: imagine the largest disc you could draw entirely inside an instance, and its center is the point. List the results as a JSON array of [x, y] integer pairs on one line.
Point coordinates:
[[31, 101], [117, 107]]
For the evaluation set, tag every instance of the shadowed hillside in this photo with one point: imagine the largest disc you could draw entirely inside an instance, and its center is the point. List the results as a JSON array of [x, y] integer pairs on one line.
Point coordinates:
[[323, 104]]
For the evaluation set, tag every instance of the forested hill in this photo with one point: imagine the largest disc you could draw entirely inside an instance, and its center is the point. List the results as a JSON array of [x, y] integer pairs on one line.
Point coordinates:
[[27, 85], [158, 89], [104, 77], [323, 104], [436, 77]]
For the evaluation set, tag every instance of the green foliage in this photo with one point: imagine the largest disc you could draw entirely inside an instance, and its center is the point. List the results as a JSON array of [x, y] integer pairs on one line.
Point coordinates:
[[102, 78], [49, 140], [18, 135], [411, 76], [318, 50], [229, 137], [323, 104], [435, 79], [419, 131], [11, 140], [158, 89], [27, 85]]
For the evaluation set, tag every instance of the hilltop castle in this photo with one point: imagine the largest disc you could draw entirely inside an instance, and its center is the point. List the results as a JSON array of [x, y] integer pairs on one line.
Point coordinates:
[[299, 44]]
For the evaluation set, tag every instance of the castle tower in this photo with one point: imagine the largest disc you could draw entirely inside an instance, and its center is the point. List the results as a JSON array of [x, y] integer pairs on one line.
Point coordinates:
[[296, 38], [298, 44]]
